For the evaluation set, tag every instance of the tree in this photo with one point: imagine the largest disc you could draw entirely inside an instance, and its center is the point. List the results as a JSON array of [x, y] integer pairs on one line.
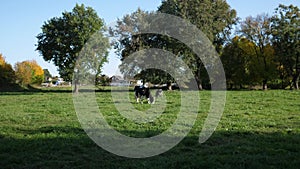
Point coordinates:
[[29, 72], [7, 74], [214, 18], [258, 31], [129, 41], [63, 38], [236, 57], [103, 80], [286, 35]]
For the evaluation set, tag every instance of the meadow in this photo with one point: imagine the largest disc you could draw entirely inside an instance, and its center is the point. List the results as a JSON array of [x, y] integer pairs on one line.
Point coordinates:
[[258, 129]]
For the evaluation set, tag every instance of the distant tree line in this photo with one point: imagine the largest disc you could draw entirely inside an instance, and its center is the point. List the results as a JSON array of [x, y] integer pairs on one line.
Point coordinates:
[[24, 73], [262, 50], [265, 51]]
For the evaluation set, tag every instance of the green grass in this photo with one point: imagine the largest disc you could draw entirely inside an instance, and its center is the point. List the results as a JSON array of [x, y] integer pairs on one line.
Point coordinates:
[[258, 129]]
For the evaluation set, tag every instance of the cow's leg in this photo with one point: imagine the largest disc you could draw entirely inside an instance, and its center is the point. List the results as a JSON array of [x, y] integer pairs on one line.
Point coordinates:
[[152, 99], [136, 94], [148, 96]]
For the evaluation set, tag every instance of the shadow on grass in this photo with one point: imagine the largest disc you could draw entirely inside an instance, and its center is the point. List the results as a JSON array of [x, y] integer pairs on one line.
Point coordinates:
[[15, 89], [36, 90], [69, 147], [12, 87]]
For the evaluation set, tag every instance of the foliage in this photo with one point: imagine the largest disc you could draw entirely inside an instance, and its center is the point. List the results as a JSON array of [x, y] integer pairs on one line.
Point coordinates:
[[47, 74], [272, 54], [236, 57], [285, 30], [29, 72], [103, 80], [265, 50], [7, 74], [130, 40], [258, 31], [63, 38], [214, 18]]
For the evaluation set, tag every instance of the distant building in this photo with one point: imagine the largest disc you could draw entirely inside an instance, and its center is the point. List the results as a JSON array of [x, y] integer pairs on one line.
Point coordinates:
[[59, 81], [120, 81]]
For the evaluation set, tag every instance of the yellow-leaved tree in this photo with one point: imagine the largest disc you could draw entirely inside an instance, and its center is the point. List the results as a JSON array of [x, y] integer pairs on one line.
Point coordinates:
[[29, 72], [7, 74]]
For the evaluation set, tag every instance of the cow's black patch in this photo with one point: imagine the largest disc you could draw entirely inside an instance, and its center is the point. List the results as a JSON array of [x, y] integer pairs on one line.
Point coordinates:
[[142, 92]]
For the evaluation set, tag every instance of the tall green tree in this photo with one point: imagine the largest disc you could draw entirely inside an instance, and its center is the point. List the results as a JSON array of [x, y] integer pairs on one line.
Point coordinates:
[[236, 57], [214, 18], [286, 39], [63, 38], [130, 40], [258, 31]]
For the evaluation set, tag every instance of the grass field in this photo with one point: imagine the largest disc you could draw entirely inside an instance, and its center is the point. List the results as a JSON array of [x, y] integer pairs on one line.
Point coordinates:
[[258, 129]]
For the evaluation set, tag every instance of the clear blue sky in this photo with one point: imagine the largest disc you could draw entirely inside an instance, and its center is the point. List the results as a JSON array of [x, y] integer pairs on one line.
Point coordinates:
[[21, 21]]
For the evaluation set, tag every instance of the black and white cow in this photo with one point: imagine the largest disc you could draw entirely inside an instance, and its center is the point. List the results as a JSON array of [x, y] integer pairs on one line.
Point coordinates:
[[142, 92]]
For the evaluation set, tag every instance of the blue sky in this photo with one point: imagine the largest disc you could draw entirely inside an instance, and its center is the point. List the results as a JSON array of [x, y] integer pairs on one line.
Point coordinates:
[[21, 21]]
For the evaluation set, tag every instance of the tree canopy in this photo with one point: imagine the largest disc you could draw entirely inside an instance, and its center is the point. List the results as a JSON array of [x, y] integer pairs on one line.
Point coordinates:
[[263, 50], [63, 38], [215, 23], [286, 40], [7, 74], [214, 18], [29, 72], [258, 31]]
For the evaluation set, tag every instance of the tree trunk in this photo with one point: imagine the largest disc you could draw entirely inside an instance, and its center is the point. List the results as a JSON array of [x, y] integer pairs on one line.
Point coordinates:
[[198, 79], [169, 86], [199, 83], [76, 89], [297, 75], [200, 86], [296, 81], [265, 86], [297, 85], [282, 83], [230, 86]]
